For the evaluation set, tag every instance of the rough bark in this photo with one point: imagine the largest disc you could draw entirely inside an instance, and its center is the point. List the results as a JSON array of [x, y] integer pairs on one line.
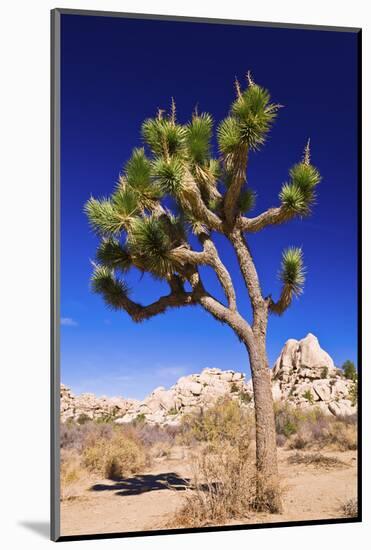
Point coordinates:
[[268, 495]]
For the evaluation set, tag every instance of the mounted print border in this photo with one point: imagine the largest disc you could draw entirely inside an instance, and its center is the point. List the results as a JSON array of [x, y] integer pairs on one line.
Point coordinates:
[[292, 283]]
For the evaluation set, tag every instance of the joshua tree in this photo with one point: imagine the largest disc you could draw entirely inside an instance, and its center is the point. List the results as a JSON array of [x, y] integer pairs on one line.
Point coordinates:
[[170, 200]]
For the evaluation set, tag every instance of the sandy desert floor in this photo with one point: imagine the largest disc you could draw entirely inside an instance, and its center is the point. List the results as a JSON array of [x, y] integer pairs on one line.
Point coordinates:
[[148, 501]]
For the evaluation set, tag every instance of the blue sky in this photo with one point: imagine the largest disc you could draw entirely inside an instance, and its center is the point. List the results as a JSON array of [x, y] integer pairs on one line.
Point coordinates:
[[115, 73]]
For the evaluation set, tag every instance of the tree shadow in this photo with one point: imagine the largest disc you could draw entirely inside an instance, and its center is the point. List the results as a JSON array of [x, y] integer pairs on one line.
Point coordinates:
[[144, 483], [42, 528]]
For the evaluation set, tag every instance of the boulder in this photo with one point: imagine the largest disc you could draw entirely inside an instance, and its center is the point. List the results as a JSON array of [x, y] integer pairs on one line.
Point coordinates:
[[323, 389]]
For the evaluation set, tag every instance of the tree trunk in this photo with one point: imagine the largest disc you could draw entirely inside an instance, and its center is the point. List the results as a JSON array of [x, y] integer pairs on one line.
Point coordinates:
[[268, 494]]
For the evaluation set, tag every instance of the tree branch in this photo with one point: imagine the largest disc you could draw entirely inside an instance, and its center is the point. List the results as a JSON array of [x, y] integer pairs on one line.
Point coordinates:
[[192, 199], [139, 313], [221, 271], [218, 310], [279, 307], [209, 256], [273, 216], [234, 190]]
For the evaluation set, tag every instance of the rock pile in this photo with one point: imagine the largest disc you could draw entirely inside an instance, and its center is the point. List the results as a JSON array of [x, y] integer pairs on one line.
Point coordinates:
[[88, 406], [190, 394], [304, 375]]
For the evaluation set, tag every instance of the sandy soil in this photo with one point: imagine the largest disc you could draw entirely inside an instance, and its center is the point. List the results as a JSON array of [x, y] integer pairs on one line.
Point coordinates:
[[149, 500]]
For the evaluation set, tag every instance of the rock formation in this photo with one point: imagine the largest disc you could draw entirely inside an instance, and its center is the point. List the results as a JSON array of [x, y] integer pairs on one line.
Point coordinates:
[[304, 376], [190, 394], [88, 406]]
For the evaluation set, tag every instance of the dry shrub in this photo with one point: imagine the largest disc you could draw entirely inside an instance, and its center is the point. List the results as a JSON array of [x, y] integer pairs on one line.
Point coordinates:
[[350, 508], [161, 449], [223, 487], [224, 481], [71, 472], [342, 435], [151, 434], [315, 459], [114, 457], [313, 429], [74, 436]]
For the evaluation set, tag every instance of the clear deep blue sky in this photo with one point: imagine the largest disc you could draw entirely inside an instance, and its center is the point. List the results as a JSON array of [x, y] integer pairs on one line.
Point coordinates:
[[115, 73]]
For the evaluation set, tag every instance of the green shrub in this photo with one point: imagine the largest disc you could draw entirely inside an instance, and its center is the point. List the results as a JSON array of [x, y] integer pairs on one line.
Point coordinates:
[[324, 372], [353, 393], [349, 370], [245, 397], [83, 419], [308, 396], [226, 421]]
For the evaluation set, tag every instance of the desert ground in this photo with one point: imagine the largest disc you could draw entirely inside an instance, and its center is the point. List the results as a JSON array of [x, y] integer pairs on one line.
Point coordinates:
[[149, 500], [185, 457]]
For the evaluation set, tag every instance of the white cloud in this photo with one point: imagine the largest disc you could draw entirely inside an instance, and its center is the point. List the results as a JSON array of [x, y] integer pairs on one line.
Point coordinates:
[[68, 322]]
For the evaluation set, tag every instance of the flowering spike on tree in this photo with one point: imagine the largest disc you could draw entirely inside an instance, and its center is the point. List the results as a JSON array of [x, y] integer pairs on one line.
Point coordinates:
[[306, 158], [137, 229]]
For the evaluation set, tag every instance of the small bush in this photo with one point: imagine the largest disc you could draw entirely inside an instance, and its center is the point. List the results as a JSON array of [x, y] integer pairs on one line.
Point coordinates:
[[281, 440], [315, 430], [315, 459], [350, 508], [234, 388], [115, 457], [245, 398], [324, 372], [83, 419], [225, 421], [353, 393], [308, 396]]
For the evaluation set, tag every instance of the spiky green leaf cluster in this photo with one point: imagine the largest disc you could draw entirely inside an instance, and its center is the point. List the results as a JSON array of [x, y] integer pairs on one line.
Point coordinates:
[[229, 136], [254, 114], [103, 217], [300, 193], [164, 136], [112, 254], [151, 240], [250, 120], [292, 273], [247, 200], [138, 177], [168, 174], [113, 290], [198, 138]]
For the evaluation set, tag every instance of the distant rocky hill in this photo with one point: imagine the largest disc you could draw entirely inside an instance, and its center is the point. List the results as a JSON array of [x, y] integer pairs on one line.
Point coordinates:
[[87, 405], [303, 375]]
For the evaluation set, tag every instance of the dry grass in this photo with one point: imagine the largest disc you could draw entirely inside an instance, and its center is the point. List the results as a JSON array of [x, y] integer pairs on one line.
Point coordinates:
[[350, 508], [71, 473], [316, 459]]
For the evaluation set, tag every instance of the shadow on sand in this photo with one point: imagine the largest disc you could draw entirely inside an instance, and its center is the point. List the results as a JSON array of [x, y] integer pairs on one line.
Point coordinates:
[[144, 483]]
